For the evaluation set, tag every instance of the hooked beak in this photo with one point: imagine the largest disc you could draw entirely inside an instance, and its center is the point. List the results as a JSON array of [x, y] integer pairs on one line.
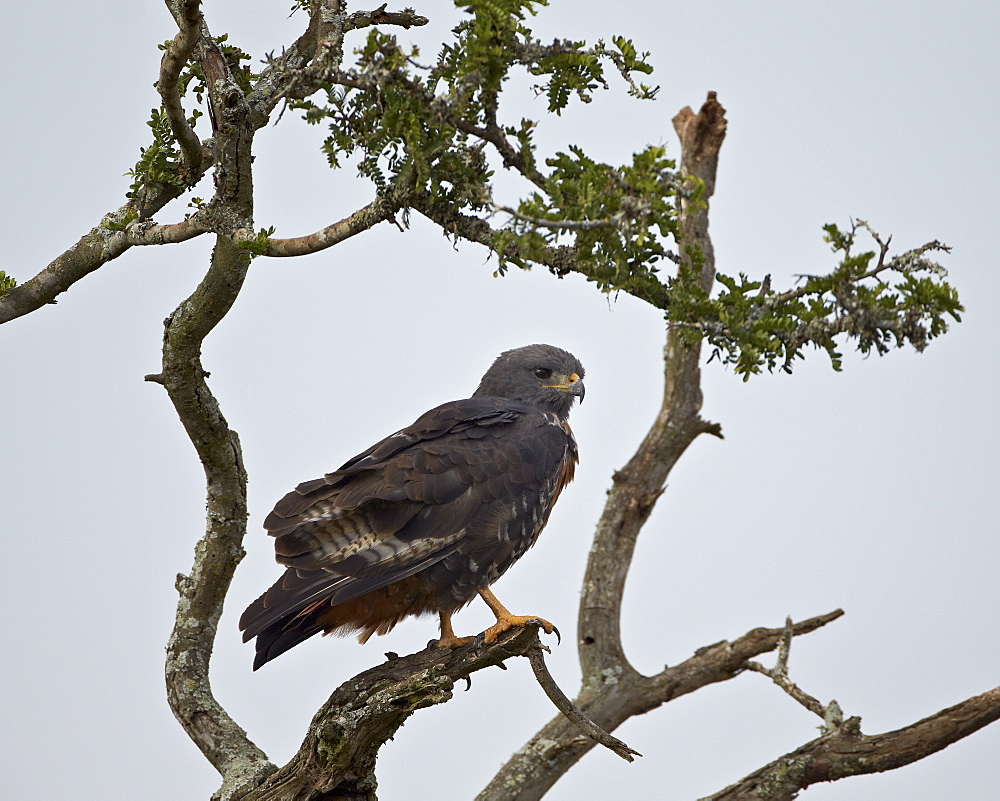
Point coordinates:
[[573, 385]]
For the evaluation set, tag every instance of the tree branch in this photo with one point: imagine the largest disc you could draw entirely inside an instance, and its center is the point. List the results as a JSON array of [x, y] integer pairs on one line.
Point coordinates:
[[830, 714], [203, 591], [381, 209], [406, 18], [337, 758], [557, 746], [572, 711], [174, 58], [96, 248], [848, 752]]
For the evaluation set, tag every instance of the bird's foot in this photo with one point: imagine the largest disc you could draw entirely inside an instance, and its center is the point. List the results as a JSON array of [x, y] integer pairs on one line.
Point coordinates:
[[450, 641], [507, 622]]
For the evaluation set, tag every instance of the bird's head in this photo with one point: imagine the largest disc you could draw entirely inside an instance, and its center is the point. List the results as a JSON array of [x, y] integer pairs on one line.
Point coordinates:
[[542, 375]]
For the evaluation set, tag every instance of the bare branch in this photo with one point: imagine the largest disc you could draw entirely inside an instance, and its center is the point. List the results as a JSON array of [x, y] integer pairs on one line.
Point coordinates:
[[96, 248], [407, 18], [561, 225], [203, 591], [381, 209], [572, 712], [620, 695], [149, 233], [831, 713], [848, 752], [337, 758]]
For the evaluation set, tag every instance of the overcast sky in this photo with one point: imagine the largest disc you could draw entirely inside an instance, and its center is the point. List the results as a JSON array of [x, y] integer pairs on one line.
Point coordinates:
[[875, 489]]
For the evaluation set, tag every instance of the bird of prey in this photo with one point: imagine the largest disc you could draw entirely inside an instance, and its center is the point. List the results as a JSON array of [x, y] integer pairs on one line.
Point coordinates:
[[429, 517]]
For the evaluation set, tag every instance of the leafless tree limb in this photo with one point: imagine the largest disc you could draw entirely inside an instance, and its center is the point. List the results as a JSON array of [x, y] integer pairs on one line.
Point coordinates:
[[337, 758], [831, 714], [96, 248], [406, 18], [572, 711], [203, 591], [847, 752], [379, 210]]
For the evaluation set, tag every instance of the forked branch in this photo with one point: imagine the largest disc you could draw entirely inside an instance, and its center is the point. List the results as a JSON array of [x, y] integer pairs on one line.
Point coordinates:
[[847, 752]]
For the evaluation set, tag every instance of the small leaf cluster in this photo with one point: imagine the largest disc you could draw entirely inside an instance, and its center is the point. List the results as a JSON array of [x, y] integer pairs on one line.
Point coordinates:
[[876, 301], [617, 220], [159, 163], [192, 77], [119, 221], [479, 60], [259, 244], [7, 283]]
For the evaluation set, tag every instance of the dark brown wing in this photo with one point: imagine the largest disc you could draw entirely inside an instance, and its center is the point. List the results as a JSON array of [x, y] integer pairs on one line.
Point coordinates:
[[420, 497]]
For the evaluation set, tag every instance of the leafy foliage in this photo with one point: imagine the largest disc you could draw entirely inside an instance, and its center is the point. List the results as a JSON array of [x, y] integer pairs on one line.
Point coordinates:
[[891, 302], [618, 218], [434, 135], [158, 163]]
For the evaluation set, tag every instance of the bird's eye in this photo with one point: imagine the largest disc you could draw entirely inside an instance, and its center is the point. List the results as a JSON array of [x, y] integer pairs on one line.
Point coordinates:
[[544, 373]]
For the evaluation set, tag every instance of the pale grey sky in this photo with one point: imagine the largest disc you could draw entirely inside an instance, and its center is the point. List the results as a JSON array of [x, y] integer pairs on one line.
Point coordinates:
[[875, 490]]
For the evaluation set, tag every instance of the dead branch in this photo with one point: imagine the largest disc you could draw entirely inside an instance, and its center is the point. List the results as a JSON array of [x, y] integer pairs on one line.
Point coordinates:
[[572, 711], [337, 758], [557, 746], [847, 752], [830, 714]]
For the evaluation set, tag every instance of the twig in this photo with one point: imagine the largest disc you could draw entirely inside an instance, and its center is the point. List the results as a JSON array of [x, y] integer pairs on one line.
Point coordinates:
[[571, 711], [831, 713], [406, 18], [561, 225]]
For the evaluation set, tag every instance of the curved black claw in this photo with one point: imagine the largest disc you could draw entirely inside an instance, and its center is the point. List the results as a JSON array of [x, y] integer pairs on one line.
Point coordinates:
[[541, 624], [468, 683], [558, 635]]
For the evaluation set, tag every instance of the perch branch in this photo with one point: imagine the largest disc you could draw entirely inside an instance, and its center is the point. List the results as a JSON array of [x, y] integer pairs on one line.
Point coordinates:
[[337, 758]]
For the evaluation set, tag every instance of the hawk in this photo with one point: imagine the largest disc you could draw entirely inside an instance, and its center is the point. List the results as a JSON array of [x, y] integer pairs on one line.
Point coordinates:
[[429, 517]]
